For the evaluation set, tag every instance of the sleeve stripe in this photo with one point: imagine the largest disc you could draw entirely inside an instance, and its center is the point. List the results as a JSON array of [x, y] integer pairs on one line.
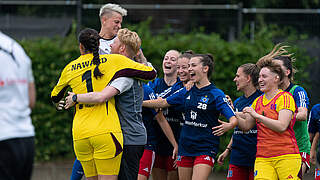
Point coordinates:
[[285, 101], [134, 73]]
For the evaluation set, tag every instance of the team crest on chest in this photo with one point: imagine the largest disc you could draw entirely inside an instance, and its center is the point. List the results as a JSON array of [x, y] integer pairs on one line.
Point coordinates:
[[204, 99], [203, 103]]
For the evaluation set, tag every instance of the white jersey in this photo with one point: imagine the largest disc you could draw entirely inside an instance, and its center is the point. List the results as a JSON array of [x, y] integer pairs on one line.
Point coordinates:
[[104, 47], [15, 76]]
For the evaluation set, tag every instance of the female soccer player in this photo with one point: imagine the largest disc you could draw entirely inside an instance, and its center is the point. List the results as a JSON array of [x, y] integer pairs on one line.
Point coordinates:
[[242, 145], [96, 129], [301, 114], [147, 160], [202, 105], [163, 87], [277, 151]]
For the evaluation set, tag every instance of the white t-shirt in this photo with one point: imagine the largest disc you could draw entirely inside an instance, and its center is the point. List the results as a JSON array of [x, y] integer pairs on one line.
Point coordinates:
[[104, 47], [15, 76]]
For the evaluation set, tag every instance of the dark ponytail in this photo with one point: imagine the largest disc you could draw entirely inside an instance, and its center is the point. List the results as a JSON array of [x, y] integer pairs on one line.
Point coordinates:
[[89, 38], [206, 60]]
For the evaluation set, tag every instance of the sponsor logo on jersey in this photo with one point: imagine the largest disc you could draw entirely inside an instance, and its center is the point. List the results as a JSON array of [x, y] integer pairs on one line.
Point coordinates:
[[193, 115], [255, 173], [229, 173]]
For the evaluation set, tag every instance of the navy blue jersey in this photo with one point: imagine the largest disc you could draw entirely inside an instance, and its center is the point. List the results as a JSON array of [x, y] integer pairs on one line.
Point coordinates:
[[162, 90], [148, 118], [202, 108], [314, 118], [299, 95], [244, 144]]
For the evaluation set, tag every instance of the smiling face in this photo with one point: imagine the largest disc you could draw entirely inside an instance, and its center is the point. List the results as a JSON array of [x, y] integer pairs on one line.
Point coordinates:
[[169, 63], [197, 70], [242, 80], [111, 23], [268, 80], [183, 69]]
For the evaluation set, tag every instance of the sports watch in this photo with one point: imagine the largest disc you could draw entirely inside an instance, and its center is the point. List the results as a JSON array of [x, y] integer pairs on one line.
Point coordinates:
[[74, 98]]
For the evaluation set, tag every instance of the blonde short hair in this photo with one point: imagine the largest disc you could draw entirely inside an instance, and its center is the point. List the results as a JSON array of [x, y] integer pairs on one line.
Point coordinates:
[[109, 8], [130, 39]]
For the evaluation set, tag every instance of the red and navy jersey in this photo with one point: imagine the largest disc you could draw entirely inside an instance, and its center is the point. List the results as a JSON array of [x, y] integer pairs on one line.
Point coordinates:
[[314, 119], [244, 144], [148, 118], [162, 90], [202, 108]]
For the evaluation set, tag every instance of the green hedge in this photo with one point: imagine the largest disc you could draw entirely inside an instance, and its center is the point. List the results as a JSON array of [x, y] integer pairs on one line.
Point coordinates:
[[49, 56]]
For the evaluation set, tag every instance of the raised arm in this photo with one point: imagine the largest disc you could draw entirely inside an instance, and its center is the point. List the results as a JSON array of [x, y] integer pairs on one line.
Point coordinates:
[[156, 103], [92, 97]]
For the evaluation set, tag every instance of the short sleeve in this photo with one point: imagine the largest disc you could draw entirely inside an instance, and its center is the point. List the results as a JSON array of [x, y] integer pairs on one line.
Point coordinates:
[[148, 94], [301, 97], [122, 84], [285, 101], [254, 104], [223, 105]]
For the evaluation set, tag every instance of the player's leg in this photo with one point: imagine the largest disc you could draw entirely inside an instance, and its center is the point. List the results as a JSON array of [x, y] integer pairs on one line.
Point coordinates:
[[264, 169], [288, 167], [77, 171], [159, 170], [171, 169], [202, 167], [84, 152], [107, 155], [185, 167], [146, 164], [239, 172], [305, 164], [130, 161]]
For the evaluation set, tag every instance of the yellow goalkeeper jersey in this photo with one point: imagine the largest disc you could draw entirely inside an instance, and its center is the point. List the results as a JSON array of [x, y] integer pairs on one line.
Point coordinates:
[[94, 119]]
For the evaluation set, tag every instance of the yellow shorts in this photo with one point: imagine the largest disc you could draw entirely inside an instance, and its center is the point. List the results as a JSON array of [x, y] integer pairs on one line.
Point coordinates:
[[101, 154], [279, 167]]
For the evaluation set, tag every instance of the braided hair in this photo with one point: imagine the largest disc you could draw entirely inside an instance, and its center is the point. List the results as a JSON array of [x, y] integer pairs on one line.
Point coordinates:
[[89, 38]]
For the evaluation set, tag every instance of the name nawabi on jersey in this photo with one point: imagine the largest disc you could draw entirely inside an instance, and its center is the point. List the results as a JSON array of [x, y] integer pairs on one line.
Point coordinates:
[[86, 64]]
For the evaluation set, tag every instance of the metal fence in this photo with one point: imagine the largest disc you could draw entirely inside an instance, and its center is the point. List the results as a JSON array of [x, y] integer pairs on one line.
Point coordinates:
[[225, 19], [31, 18]]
